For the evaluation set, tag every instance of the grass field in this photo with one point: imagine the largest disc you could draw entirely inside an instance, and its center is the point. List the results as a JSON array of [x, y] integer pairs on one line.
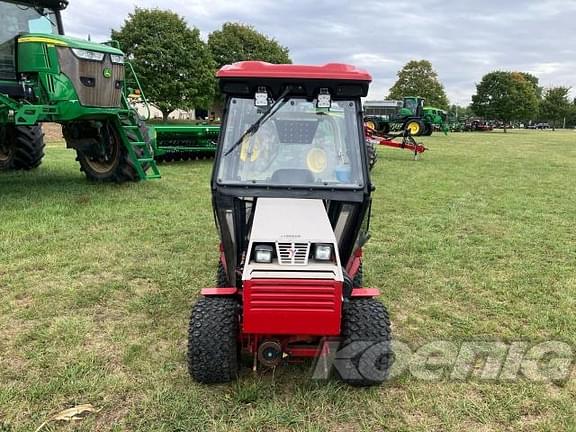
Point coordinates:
[[477, 240]]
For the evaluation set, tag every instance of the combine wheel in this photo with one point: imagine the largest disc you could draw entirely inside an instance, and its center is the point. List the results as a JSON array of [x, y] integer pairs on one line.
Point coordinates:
[[366, 320], [101, 153], [21, 147], [213, 351]]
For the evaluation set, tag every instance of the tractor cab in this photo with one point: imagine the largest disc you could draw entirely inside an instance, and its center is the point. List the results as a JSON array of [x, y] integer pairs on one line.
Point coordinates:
[[412, 106], [41, 65], [20, 18], [287, 136], [291, 196]]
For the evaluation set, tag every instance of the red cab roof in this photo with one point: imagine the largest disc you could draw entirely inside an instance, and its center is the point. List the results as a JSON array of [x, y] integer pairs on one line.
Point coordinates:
[[258, 69]]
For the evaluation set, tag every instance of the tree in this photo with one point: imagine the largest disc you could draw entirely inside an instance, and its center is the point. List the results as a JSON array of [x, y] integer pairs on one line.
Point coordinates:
[[534, 81], [173, 64], [460, 111], [237, 42], [555, 105], [505, 96], [418, 78], [572, 115]]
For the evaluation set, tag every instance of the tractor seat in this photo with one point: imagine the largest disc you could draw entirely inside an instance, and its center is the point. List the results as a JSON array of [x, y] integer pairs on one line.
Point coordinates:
[[292, 176]]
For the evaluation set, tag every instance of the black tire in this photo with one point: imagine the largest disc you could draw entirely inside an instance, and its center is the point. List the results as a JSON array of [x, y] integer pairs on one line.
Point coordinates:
[[366, 320], [213, 354], [385, 128], [221, 276], [106, 159], [428, 129], [414, 124], [372, 123], [22, 147], [358, 280], [371, 153]]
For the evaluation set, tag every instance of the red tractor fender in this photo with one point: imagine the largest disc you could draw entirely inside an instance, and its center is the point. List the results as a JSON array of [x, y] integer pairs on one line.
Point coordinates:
[[210, 292]]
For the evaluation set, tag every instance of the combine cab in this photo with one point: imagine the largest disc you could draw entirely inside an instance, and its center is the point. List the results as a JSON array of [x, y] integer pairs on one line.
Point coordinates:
[[48, 77], [291, 193]]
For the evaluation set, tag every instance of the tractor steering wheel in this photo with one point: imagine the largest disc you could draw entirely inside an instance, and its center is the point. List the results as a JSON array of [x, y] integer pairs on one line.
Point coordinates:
[[260, 150]]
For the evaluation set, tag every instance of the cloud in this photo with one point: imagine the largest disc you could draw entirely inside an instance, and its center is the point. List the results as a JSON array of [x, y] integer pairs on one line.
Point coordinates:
[[463, 40]]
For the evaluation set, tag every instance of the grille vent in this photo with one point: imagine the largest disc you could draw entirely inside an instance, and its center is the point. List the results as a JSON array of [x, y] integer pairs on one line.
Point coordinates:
[[293, 253]]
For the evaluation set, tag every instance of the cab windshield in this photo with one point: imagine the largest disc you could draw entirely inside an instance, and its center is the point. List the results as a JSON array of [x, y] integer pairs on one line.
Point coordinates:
[[16, 19], [298, 145]]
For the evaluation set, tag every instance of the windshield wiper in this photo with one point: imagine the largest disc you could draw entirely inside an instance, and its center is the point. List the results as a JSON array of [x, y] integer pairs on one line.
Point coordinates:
[[278, 103]]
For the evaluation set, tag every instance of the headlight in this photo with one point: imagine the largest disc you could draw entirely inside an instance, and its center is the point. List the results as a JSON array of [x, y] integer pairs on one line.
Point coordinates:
[[263, 253], [88, 55], [117, 58], [323, 252]]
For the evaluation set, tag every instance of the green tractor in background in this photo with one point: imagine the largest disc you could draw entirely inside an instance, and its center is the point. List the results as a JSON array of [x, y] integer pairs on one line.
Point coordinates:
[[47, 77], [409, 114], [395, 116]]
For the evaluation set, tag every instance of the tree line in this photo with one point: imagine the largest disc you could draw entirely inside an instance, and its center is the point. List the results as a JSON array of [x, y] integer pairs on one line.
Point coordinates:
[[508, 97], [176, 67]]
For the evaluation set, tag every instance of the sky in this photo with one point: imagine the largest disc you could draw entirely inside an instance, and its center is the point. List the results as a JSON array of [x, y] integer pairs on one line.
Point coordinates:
[[463, 39]]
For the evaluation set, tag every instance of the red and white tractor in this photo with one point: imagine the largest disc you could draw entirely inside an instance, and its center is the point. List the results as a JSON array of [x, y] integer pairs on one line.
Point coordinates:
[[291, 193]]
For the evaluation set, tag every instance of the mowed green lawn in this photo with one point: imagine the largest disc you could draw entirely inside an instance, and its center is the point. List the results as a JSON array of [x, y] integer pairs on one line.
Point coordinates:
[[476, 241]]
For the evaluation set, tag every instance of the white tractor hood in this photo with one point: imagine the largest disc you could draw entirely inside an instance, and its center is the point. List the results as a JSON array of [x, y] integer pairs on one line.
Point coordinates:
[[297, 222]]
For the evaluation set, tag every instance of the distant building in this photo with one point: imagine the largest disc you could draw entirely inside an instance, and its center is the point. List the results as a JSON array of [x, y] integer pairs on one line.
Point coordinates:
[[155, 113]]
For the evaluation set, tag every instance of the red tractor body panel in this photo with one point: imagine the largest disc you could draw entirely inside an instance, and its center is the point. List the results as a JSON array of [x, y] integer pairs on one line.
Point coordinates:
[[259, 69], [292, 306]]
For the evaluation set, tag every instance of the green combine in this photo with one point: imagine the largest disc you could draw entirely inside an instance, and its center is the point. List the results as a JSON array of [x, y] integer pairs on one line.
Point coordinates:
[[84, 86], [48, 77]]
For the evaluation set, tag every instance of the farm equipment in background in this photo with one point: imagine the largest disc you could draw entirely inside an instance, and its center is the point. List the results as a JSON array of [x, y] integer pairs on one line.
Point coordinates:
[[395, 116], [48, 77], [435, 118], [477, 125], [407, 142], [291, 194], [183, 142], [176, 141]]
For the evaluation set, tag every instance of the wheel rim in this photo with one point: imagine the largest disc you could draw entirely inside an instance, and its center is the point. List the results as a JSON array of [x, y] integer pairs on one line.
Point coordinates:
[[109, 149], [413, 128], [4, 153], [371, 124], [5, 150]]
